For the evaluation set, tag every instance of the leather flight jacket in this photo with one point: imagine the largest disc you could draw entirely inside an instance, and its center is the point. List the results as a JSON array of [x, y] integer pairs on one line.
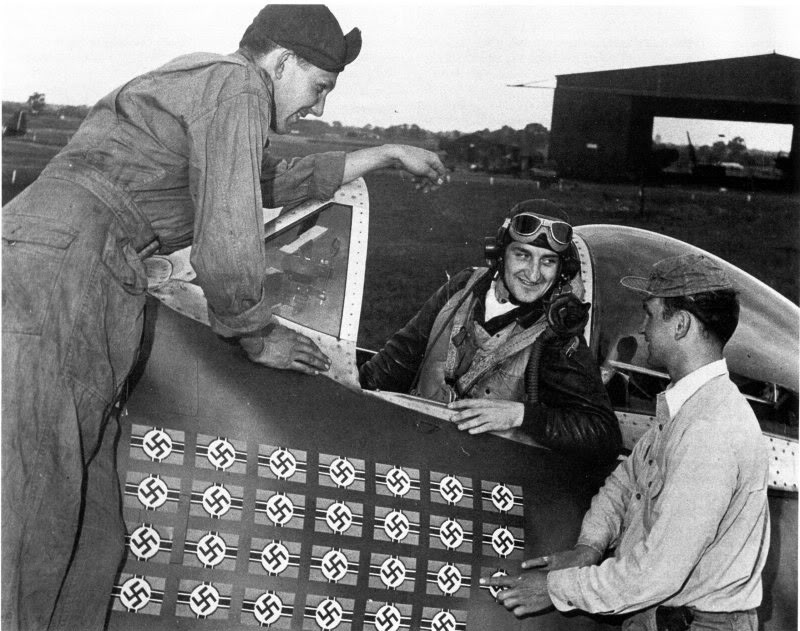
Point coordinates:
[[573, 413]]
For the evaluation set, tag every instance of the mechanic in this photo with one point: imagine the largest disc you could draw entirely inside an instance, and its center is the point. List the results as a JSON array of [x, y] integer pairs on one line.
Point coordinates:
[[686, 514], [504, 346], [174, 156]]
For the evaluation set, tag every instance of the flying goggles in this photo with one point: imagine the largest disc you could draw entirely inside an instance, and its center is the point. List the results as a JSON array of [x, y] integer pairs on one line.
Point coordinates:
[[525, 227]]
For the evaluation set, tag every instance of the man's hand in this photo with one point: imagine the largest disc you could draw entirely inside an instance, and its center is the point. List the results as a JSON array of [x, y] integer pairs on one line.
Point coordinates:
[[422, 163], [286, 349], [579, 556], [523, 594], [486, 415]]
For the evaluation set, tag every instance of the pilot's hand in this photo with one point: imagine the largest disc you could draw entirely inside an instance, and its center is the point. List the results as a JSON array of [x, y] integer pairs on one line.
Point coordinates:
[[523, 594], [286, 349], [422, 163], [486, 415], [579, 556]]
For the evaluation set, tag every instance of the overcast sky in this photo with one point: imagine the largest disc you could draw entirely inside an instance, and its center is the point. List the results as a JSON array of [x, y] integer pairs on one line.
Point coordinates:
[[440, 65]]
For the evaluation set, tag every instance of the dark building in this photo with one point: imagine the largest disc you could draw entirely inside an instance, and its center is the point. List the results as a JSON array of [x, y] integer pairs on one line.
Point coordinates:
[[602, 123]]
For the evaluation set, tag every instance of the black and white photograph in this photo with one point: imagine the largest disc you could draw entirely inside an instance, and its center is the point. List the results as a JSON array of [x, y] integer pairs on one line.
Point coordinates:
[[400, 316]]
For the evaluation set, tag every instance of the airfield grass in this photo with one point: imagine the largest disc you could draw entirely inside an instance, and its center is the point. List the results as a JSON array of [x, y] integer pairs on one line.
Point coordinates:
[[416, 239]]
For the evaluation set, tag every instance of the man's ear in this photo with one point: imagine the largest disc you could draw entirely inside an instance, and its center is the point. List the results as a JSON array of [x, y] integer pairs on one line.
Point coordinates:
[[280, 63], [682, 324]]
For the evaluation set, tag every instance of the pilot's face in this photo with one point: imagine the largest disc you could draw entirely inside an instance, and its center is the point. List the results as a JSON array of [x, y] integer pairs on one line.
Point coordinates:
[[658, 332], [529, 271], [300, 90]]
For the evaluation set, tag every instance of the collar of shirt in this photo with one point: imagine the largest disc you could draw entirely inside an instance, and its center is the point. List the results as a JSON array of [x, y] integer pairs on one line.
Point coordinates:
[[679, 393], [494, 307]]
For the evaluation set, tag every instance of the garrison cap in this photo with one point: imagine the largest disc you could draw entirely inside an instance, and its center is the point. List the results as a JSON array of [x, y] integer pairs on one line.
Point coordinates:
[[682, 275], [311, 31]]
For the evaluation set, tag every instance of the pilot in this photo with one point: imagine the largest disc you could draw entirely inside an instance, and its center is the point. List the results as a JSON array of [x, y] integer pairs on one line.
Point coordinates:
[[174, 156], [686, 514], [504, 346]]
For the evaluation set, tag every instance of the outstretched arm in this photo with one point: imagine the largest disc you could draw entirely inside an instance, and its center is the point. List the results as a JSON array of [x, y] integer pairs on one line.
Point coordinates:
[[419, 162]]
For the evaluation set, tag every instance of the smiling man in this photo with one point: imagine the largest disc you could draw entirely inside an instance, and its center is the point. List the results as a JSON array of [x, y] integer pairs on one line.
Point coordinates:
[[504, 346], [176, 156]]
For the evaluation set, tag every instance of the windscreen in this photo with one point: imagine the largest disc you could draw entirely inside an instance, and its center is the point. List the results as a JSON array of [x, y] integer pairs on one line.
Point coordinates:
[[307, 269]]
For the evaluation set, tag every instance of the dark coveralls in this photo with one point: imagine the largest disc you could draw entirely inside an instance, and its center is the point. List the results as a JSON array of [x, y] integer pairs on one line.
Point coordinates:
[[173, 157], [573, 414]]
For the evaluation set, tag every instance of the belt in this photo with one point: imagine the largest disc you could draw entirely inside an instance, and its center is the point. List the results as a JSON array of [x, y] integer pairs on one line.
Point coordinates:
[[127, 214]]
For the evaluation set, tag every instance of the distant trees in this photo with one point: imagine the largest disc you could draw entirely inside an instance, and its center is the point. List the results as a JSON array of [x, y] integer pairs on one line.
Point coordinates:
[[734, 150]]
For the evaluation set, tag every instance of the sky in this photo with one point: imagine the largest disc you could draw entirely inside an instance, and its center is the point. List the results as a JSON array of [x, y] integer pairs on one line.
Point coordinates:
[[440, 65]]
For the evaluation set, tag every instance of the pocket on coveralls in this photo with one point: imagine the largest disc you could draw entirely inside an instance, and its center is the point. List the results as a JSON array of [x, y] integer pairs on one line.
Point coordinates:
[[33, 257]]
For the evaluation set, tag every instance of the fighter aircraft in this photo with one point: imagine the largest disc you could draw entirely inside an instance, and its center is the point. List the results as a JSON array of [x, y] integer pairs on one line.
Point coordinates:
[[258, 497]]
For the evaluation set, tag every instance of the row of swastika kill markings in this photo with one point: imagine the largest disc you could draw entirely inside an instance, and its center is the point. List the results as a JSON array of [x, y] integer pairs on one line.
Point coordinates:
[[223, 454], [204, 600]]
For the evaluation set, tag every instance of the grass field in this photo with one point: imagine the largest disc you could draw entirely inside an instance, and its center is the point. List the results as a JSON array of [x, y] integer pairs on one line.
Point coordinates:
[[415, 238]]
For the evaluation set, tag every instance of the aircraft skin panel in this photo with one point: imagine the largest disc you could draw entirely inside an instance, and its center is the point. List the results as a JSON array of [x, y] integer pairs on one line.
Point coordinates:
[[199, 389]]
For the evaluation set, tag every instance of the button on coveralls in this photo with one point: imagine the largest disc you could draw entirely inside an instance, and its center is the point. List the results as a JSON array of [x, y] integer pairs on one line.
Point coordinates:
[[177, 154]]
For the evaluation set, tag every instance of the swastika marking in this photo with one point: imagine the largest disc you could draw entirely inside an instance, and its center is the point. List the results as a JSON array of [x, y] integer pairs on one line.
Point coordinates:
[[451, 489], [268, 608], [388, 618], [152, 492], [329, 614], [493, 589], [144, 542], [393, 572], [135, 593], [334, 565], [157, 444], [503, 541], [211, 550], [342, 472], [398, 482], [451, 534], [282, 463], [221, 454], [216, 500], [275, 557], [443, 621], [280, 509], [339, 517], [502, 498], [204, 600], [449, 578], [396, 526]]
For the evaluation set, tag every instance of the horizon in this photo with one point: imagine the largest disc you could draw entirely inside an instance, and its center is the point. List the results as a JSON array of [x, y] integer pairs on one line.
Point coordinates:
[[448, 69]]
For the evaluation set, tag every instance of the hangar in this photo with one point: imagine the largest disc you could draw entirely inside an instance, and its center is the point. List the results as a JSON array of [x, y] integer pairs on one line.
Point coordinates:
[[602, 122]]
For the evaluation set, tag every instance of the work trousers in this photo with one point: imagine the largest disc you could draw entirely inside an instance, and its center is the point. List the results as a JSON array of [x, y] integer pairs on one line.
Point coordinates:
[[648, 620], [73, 304]]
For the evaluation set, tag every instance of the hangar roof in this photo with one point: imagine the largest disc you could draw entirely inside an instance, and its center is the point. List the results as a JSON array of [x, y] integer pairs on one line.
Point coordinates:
[[771, 78]]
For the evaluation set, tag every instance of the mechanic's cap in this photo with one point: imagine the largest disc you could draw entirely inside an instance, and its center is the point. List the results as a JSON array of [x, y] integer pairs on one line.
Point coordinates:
[[682, 275], [311, 31]]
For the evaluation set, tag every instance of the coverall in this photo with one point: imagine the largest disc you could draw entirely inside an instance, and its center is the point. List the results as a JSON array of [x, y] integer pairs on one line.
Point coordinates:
[[174, 156]]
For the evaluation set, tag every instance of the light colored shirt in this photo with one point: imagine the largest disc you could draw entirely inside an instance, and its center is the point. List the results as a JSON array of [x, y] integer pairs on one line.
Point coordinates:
[[493, 306], [686, 512], [187, 143]]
